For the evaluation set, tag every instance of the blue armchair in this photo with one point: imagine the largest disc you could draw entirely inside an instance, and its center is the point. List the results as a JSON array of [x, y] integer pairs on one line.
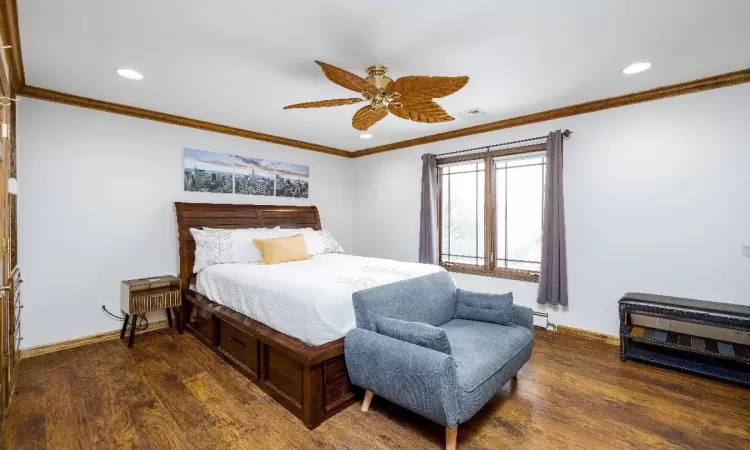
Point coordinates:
[[412, 365]]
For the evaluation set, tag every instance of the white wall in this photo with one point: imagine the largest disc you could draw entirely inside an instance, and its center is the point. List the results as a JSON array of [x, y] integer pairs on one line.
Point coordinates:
[[656, 201], [95, 207]]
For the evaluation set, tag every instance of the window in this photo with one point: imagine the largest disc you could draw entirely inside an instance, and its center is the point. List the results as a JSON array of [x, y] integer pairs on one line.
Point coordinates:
[[491, 208]]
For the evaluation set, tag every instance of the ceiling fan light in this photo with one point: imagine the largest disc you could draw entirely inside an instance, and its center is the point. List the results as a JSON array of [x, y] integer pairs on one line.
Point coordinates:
[[130, 74], [636, 67], [365, 136]]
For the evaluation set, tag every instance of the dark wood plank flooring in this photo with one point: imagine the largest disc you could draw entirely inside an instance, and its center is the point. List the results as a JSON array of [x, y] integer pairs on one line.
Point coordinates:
[[171, 392]]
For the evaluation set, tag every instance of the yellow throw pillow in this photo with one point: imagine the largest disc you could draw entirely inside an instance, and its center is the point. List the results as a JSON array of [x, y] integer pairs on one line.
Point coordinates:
[[283, 249]]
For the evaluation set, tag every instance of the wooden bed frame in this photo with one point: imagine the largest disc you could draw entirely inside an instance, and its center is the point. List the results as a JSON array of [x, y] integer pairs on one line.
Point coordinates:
[[310, 381]]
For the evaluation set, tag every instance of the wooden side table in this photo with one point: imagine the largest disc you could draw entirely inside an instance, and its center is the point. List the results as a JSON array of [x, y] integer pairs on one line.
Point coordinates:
[[149, 294]]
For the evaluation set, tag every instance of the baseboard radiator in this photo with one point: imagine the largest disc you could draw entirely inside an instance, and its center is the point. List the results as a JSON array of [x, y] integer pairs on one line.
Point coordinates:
[[541, 320]]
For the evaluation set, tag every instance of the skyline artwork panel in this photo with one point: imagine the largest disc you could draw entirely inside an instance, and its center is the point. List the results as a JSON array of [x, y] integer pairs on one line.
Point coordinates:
[[205, 171]]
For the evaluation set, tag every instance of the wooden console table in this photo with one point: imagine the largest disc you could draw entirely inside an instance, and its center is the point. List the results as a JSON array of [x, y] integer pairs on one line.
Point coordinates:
[[707, 338]]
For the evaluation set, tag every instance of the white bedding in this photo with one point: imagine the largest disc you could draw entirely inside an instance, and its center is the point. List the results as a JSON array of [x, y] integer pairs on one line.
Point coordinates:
[[310, 300]]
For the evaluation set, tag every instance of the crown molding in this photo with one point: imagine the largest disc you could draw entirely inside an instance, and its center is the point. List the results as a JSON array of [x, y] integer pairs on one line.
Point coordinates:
[[116, 108], [690, 87], [11, 36]]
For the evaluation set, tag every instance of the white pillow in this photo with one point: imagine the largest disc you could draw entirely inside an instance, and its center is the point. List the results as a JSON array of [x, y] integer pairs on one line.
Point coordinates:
[[286, 232], [313, 241], [222, 246], [317, 242]]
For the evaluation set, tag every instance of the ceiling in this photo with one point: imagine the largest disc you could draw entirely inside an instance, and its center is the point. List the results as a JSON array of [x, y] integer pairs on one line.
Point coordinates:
[[237, 62]]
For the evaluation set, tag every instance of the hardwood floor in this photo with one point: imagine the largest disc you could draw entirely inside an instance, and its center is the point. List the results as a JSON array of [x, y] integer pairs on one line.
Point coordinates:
[[169, 392]]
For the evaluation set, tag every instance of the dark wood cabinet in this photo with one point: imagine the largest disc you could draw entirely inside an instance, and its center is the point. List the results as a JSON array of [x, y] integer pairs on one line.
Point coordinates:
[[10, 274]]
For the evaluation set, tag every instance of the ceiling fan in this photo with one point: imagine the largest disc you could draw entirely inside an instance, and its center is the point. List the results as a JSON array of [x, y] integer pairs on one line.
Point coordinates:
[[409, 97]]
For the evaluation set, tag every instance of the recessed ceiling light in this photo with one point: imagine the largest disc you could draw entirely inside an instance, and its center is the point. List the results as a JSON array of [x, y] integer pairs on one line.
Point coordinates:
[[365, 136], [637, 67], [130, 74]]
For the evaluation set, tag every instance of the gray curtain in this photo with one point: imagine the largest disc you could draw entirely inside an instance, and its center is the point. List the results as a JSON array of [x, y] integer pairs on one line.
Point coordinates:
[[553, 278], [428, 233]]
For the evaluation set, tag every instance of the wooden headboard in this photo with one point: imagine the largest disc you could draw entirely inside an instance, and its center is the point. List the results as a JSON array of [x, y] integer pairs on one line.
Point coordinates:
[[213, 215]]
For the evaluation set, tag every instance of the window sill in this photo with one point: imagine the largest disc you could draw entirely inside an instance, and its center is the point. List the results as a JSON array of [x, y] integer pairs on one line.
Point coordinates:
[[509, 274]]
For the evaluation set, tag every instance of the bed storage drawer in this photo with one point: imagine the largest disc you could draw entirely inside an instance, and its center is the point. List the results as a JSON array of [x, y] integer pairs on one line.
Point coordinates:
[[284, 374], [338, 387], [240, 346], [201, 321]]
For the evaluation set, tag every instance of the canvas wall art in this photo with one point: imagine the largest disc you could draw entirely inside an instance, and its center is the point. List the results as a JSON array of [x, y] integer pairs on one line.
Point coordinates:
[[208, 172], [216, 172], [291, 180], [253, 176]]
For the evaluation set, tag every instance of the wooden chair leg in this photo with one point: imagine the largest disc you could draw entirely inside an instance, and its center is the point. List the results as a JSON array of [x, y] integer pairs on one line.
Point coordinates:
[[451, 434], [124, 326], [169, 317], [366, 402]]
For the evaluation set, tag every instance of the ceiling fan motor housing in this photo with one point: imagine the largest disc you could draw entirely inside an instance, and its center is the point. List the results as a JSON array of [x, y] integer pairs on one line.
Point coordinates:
[[378, 76]]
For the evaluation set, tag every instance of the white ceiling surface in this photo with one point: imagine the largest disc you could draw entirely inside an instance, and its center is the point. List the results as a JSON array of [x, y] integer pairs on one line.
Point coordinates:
[[237, 62]]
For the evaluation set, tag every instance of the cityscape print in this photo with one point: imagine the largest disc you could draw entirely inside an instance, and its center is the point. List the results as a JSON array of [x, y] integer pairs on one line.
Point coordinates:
[[291, 180], [208, 172], [219, 173], [253, 176]]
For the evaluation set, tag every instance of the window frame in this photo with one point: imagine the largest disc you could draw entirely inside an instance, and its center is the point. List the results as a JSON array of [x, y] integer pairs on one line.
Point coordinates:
[[490, 204]]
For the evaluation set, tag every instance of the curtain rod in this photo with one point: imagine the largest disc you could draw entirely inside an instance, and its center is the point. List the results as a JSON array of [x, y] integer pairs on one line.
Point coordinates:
[[565, 133]]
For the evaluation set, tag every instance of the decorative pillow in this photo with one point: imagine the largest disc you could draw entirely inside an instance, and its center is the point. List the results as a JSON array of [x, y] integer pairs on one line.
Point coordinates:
[[317, 242], [282, 249], [220, 246], [313, 241], [483, 307], [211, 247], [417, 333], [330, 243]]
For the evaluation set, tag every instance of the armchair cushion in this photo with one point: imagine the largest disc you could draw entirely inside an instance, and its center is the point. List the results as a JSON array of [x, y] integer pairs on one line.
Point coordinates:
[[417, 333], [483, 307], [472, 401], [481, 349], [427, 299]]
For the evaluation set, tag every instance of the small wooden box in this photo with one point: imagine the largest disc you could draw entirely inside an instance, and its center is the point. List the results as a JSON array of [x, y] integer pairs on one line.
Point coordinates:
[[150, 294]]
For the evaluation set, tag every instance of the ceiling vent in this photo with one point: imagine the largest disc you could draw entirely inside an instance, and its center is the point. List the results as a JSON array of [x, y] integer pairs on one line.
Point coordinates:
[[472, 114]]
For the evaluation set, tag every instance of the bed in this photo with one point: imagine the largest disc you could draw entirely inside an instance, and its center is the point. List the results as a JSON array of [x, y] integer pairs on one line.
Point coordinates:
[[316, 306], [286, 337]]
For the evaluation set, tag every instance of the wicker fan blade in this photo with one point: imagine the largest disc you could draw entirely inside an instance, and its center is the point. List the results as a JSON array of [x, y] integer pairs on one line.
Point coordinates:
[[326, 103], [367, 117], [420, 110], [426, 87], [347, 79]]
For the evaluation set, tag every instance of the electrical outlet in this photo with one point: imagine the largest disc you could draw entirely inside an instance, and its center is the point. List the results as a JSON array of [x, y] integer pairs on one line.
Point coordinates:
[[101, 306]]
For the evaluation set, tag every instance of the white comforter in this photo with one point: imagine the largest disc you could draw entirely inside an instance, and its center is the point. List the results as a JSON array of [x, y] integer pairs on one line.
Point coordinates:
[[310, 300]]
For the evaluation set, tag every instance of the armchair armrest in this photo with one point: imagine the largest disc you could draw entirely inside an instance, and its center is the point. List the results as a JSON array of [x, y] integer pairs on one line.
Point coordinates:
[[524, 317], [419, 379]]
